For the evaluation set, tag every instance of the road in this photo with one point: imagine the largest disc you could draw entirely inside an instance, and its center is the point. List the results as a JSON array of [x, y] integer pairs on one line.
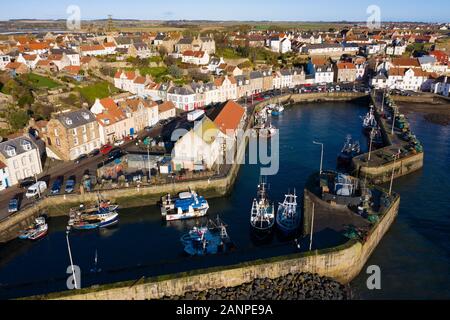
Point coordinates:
[[65, 171]]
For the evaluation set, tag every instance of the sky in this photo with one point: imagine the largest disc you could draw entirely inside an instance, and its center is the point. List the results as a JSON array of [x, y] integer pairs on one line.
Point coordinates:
[[257, 10]]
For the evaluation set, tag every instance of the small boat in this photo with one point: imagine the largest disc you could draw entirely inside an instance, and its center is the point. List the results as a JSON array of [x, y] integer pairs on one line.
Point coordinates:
[[94, 221], [262, 217], [377, 138], [187, 205], [369, 121], [210, 239], [288, 218], [277, 110], [268, 131], [40, 232], [32, 229], [350, 150]]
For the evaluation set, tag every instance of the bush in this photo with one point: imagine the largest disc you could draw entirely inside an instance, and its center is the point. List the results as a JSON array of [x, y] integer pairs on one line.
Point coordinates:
[[18, 119], [175, 72]]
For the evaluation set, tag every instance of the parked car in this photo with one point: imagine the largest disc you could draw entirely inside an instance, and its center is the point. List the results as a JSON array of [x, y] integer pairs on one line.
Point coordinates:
[[81, 158], [94, 153], [13, 205], [36, 189], [56, 187], [106, 149], [114, 154], [27, 182], [70, 185], [118, 143]]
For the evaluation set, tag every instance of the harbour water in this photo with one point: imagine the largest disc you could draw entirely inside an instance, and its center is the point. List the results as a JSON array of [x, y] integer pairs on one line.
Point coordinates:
[[413, 256]]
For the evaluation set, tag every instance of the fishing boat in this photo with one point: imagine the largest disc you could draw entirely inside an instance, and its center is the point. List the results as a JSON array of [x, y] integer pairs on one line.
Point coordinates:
[[376, 137], [288, 218], [267, 131], [350, 150], [210, 239], [369, 121], [262, 217], [40, 232], [94, 221], [32, 229], [187, 205], [277, 110]]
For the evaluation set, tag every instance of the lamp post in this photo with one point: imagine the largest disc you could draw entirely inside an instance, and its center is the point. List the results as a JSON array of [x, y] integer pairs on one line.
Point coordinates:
[[393, 119], [312, 227], [321, 154], [393, 172], [71, 260]]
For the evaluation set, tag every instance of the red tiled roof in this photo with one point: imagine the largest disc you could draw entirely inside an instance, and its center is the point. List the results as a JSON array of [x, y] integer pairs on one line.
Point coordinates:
[[166, 106], [230, 117]]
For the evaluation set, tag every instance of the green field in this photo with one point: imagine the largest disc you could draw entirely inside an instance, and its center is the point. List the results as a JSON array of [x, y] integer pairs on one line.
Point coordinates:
[[39, 82], [99, 90]]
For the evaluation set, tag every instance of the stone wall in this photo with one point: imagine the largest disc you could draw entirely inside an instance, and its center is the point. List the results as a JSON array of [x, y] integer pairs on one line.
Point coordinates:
[[342, 263]]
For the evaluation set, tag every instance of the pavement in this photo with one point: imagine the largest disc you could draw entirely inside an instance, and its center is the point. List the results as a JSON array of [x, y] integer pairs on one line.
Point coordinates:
[[64, 170]]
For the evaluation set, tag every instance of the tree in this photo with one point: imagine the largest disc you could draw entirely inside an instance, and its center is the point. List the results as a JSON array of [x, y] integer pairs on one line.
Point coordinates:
[[175, 72], [18, 119]]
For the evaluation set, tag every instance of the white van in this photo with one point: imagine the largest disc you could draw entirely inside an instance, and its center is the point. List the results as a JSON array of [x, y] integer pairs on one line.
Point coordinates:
[[36, 189]]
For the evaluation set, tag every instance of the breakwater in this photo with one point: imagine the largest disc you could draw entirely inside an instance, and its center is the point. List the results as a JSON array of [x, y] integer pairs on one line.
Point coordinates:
[[380, 167], [300, 286]]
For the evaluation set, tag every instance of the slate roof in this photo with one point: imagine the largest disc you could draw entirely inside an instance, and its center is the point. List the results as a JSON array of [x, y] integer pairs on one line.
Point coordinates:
[[75, 119], [17, 144]]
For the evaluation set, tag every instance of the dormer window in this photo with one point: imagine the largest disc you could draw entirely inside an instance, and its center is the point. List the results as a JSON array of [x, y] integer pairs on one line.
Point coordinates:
[[10, 151], [107, 122], [26, 145], [69, 122], [86, 115]]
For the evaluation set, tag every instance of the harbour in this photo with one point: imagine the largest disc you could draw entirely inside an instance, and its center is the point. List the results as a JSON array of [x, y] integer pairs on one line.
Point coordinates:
[[142, 227]]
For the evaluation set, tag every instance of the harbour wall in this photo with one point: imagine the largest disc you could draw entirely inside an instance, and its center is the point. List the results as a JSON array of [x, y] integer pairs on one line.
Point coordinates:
[[341, 263], [382, 173]]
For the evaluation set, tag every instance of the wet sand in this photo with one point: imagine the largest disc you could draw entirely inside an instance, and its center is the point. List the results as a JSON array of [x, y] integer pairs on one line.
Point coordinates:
[[434, 113]]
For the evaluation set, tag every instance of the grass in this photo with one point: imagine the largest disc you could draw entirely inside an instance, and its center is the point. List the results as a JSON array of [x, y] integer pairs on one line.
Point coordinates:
[[228, 53], [39, 82], [97, 91]]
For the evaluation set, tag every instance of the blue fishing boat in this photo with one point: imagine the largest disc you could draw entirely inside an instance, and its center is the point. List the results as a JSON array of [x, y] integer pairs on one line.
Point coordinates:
[[94, 221], [277, 110], [288, 217], [187, 205], [211, 239]]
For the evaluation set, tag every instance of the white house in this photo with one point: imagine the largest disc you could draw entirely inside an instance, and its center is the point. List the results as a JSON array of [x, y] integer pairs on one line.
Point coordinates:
[[199, 58], [442, 86], [93, 50], [227, 87], [29, 60], [22, 157], [401, 79], [324, 74], [4, 60], [4, 176], [184, 98]]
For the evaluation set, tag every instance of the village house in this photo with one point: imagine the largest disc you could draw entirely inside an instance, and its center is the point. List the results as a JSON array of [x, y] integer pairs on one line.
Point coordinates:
[[19, 159], [227, 88], [345, 72], [256, 82], [4, 61], [71, 134], [15, 68], [166, 110], [199, 58], [124, 80], [93, 50], [184, 98], [59, 60], [140, 50], [115, 123], [243, 86], [72, 55], [144, 113], [401, 79], [29, 60], [46, 66], [214, 63]]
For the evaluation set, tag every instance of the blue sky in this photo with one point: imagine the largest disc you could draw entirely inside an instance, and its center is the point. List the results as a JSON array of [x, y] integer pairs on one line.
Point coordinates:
[[292, 10]]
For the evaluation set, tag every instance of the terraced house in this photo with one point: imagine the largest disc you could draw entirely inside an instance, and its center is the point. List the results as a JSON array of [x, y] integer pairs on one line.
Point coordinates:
[[19, 159], [71, 134]]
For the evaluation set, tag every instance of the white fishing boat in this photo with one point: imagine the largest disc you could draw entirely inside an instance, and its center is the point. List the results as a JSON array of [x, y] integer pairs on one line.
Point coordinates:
[[262, 217], [187, 205]]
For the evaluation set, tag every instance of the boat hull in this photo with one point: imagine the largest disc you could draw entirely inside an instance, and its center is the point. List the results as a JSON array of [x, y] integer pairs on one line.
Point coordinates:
[[185, 216]]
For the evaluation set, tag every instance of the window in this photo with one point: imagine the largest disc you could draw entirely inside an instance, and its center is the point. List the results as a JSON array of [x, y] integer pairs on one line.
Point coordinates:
[[56, 132], [11, 151], [75, 141], [58, 142], [24, 161]]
